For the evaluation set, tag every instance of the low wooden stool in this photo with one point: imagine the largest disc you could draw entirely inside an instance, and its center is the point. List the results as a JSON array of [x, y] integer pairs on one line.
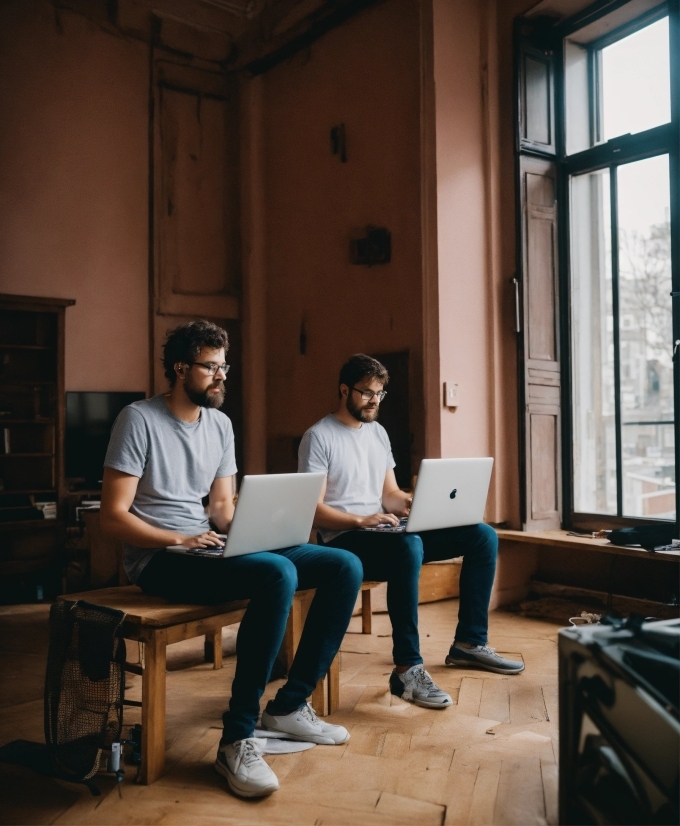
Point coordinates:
[[157, 623], [366, 613]]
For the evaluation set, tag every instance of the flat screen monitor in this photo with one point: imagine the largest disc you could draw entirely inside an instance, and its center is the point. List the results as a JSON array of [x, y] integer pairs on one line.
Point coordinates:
[[89, 419]]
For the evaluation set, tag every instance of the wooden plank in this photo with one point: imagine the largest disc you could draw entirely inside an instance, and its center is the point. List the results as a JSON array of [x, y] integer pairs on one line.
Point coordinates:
[[154, 611], [520, 793], [349, 697], [197, 628], [560, 539], [451, 729], [320, 698], [459, 793], [549, 778], [333, 679], [470, 696], [550, 699], [396, 745], [409, 810], [439, 581], [430, 753], [217, 647], [526, 703], [484, 794], [495, 700], [366, 615], [326, 695], [153, 708], [368, 740]]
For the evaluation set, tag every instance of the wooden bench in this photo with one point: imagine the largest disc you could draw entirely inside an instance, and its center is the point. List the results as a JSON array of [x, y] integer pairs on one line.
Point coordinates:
[[158, 623]]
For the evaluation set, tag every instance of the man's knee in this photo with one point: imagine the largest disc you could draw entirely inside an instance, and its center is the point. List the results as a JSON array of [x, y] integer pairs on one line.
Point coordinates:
[[349, 568], [409, 550], [486, 541], [281, 575]]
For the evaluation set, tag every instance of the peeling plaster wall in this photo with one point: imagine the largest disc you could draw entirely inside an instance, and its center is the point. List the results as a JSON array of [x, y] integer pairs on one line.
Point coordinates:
[[74, 185]]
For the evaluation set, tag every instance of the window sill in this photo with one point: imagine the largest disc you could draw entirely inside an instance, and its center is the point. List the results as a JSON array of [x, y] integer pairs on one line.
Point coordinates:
[[560, 539]]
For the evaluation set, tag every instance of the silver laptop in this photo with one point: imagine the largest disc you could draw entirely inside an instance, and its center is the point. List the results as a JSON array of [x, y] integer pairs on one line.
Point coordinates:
[[449, 493], [273, 511]]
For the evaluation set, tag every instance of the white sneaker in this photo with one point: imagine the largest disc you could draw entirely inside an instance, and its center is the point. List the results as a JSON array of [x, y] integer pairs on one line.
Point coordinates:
[[247, 773], [303, 724], [416, 686]]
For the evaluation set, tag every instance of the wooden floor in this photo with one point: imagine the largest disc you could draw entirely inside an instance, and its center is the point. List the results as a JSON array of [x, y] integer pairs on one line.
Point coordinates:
[[489, 759]]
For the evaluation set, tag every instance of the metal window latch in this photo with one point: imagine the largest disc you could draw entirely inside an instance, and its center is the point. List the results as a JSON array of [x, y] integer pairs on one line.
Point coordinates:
[[676, 344]]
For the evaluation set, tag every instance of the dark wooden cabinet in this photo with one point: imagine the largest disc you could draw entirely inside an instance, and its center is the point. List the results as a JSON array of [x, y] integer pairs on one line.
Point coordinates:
[[32, 411]]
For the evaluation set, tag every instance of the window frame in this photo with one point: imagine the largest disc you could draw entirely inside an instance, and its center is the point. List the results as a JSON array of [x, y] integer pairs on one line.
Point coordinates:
[[624, 149]]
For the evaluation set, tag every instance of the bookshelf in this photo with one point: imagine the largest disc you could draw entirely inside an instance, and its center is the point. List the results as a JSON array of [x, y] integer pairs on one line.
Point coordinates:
[[32, 487]]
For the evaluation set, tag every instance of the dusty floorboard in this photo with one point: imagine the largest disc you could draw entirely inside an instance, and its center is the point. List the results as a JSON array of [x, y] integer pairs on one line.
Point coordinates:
[[489, 759]]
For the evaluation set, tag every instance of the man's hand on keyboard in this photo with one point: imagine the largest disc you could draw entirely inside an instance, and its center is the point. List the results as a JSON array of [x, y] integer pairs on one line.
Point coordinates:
[[209, 539]]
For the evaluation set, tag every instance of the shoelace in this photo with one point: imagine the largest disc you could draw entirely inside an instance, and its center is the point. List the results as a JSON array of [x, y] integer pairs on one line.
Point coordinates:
[[248, 753], [308, 712], [424, 680], [487, 649]]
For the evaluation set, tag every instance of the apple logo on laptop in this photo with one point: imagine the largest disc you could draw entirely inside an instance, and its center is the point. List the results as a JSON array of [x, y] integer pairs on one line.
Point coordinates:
[[453, 493]]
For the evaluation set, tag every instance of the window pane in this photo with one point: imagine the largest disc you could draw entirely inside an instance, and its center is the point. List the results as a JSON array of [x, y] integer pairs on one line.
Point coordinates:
[[646, 336], [592, 345], [636, 81]]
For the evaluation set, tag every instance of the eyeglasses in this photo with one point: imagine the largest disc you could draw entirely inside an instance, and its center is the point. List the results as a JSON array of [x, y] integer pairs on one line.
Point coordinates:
[[212, 368], [367, 395]]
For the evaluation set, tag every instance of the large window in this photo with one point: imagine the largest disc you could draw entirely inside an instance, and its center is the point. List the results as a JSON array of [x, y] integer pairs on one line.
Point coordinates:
[[620, 165]]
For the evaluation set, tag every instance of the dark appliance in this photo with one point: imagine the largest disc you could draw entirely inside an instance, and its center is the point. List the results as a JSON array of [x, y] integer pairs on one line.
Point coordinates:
[[619, 689]]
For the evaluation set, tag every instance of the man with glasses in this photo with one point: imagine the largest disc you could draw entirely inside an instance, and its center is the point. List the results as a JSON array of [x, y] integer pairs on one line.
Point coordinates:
[[167, 455], [361, 491]]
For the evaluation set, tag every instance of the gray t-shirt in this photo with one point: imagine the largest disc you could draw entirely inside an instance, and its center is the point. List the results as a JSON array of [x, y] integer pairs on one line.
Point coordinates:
[[355, 460], [176, 463]]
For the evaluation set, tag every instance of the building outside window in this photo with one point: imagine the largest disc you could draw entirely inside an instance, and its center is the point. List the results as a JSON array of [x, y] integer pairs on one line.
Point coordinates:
[[617, 94]]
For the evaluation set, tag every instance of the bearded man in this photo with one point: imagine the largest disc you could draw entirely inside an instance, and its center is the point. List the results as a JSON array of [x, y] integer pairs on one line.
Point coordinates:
[[361, 491], [165, 456]]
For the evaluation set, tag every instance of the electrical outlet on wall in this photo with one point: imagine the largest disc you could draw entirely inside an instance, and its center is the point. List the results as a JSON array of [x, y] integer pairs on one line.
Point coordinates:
[[451, 394]]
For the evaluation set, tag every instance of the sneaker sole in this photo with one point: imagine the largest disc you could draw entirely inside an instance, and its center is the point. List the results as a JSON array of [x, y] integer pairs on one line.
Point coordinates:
[[425, 704], [241, 792], [422, 703], [308, 738], [481, 666]]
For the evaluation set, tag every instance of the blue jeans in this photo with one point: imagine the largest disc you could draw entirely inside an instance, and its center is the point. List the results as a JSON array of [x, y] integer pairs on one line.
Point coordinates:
[[396, 558], [269, 580]]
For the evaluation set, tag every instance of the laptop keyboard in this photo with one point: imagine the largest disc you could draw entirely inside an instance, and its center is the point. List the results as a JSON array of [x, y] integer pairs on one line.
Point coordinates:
[[385, 528]]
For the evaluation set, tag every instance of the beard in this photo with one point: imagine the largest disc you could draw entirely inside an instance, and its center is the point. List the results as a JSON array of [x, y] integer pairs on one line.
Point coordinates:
[[204, 398], [362, 414]]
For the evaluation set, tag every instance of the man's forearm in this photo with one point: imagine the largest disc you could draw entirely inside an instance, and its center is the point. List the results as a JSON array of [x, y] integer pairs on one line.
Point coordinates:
[[130, 528], [221, 517], [397, 502], [335, 520]]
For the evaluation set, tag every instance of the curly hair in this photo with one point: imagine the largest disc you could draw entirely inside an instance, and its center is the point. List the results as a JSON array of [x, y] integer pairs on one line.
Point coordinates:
[[185, 342], [360, 366]]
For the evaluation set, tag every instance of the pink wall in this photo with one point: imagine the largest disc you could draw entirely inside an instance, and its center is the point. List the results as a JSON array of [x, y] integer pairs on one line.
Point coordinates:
[[416, 85], [464, 315], [365, 75], [475, 228], [74, 184]]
